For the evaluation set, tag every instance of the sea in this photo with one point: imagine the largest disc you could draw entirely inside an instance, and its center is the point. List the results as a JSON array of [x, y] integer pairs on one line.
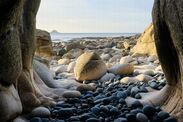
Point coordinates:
[[59, 37]]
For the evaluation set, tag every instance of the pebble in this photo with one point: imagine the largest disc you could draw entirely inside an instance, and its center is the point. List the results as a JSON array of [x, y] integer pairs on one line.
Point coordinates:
[[36, 119], [163, 115], [93, 120], [141, 117], [120, 120], [170, 119], [40, 112], [149, 110]]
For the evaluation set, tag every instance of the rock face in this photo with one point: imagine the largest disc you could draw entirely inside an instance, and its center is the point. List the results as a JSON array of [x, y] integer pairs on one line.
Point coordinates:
[[43, 44], [89, 66], [145, 44]]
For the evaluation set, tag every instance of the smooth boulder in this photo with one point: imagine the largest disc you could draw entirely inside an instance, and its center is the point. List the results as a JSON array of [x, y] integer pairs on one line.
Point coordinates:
[[89, 66], [122, 69]]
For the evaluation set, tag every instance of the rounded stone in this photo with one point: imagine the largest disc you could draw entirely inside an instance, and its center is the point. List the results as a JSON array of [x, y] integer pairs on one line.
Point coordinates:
[[120, 120], [141, 117], [36, 119], [71, 94], [40, 112], [163, 115], [170, 119], [149, 110]]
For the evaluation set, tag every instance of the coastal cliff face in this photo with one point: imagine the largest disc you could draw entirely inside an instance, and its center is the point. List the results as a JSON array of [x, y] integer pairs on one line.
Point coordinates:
[[145, 44]]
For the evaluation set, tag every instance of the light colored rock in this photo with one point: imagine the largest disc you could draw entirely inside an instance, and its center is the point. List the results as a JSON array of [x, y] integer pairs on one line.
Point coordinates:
[[89, 66], [145, 44], [59, 69], [64, 61], [43, 44], [109, 65], [105, 56], [107, 77], [126, 59], [68, 83], [144, 78], [122, 69], [40, 112], [73, 45], [127, 80], [144, 71], [152, 58], [115, 58], [134, 62], [157, 61], [159, 68], [71, 94], [126, 45], [10, 103], [71, 66], [20, 119]]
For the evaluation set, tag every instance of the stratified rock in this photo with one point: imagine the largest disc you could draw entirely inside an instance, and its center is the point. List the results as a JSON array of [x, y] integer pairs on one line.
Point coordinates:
[[145, 44], [43, 44], [89, 66], [122, 69]]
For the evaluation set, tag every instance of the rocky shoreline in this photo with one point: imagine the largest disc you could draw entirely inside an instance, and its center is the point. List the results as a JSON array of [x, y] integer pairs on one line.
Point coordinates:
[[110, 79]]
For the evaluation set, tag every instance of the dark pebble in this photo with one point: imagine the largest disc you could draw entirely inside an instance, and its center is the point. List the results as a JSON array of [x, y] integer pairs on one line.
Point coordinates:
[[93, 120], [149, 110], [121, 94], [136, 104], [45, 119], [114, 111], [120, 120], [36, 119], [66, 112], [95, 110], [163, 115], [131, 117], [141, 117], [138, 96], [122, 101], [170, 119]]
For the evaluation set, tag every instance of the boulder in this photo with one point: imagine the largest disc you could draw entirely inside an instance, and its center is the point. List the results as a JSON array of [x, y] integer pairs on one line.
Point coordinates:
[[145, 44], [105, 56], [89, 66], [74, 53], [122, 69], [144, 78], [126, 59], [127, 80], [10, 103], [43, 44]]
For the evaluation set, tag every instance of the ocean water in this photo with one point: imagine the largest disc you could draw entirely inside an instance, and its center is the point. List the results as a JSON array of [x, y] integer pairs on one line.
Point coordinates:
[[70, 36]]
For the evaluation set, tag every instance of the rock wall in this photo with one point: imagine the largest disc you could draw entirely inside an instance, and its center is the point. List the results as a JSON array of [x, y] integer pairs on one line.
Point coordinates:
[[145, 44]]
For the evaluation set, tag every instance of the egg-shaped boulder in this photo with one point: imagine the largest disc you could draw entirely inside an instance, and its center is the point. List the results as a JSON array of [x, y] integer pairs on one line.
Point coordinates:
[[89, 66]]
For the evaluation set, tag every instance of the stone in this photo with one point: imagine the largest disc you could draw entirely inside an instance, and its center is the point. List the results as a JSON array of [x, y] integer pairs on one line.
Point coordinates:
[[136, 104], [163, 115], [71, 66], [149, 110], [66, 112], [127, 80], [40, 112], [120, 120], [74, 45], [141, 117], [36, 119], [144, 78], [20, 119], [59, 68], [10, 103], [71, 94], [43, 44], [170, 119], [126, 45], [105, 57], [73, 54], [152, 58], [122, 69], [64, 61], [126, 59], [85, 88], [107, 77], [145, 44], [89, 66], [93, 120]]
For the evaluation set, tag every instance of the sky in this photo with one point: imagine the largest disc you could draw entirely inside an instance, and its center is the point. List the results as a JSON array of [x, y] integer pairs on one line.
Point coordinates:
[[95, 16]]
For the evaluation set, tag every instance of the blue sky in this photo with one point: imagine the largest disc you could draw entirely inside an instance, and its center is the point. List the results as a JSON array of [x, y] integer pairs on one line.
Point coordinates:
[[70, 16]]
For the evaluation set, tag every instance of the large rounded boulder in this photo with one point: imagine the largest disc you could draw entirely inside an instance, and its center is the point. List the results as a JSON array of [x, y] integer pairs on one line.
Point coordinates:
[[89, 66]]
